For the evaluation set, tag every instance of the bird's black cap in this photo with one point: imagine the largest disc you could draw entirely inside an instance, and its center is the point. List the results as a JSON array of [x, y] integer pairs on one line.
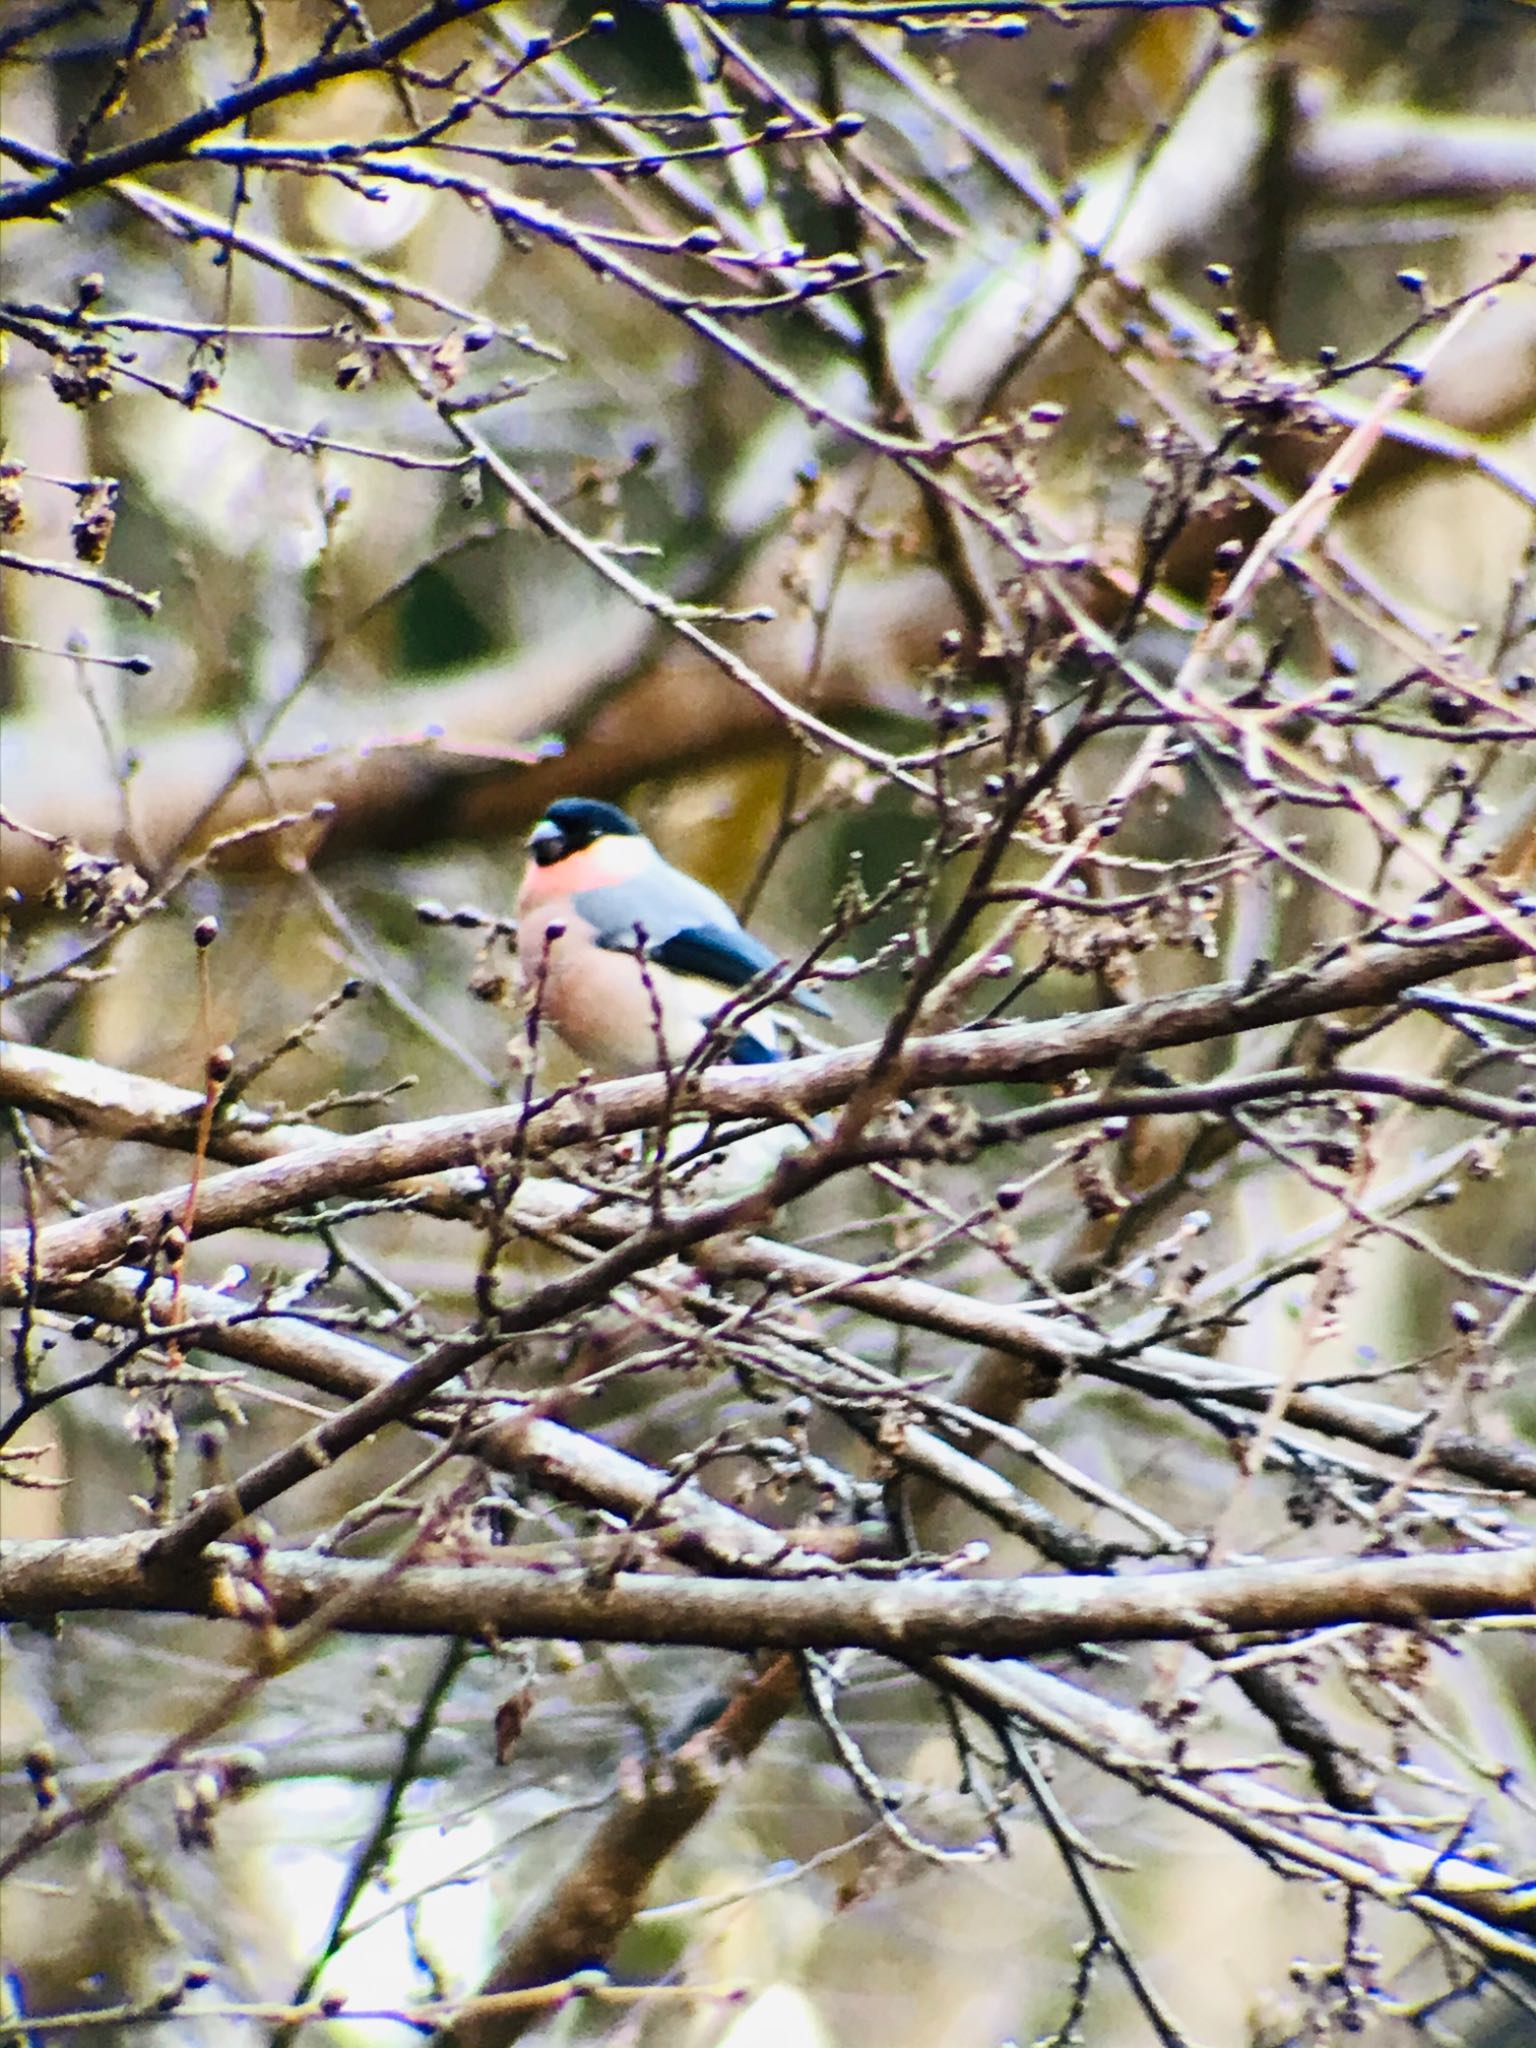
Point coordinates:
[[573, 822]]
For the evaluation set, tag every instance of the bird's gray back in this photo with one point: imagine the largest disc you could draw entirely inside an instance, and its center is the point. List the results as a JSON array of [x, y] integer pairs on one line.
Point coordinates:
[[662, 902]]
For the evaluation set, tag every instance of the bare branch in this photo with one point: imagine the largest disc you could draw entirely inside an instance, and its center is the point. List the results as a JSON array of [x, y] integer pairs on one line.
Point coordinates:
[[906, 1619]]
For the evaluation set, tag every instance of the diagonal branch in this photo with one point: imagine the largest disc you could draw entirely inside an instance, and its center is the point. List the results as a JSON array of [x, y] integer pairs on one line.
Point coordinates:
[[1368, 974], [60, 181]]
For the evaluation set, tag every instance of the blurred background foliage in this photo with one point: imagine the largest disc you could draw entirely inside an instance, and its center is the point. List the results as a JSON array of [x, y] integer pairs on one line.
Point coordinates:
[[386, 635]]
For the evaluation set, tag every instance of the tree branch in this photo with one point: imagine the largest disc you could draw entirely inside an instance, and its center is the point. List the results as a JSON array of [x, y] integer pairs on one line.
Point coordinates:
[[61, 181], [1368, 974], [39, 1581]]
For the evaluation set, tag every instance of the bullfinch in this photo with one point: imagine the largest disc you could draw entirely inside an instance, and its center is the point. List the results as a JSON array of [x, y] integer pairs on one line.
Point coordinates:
[[627, 956]]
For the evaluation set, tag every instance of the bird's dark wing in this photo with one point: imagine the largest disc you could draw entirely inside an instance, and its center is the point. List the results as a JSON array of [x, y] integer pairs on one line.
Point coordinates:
[[688, 929], [727, 955], [714, 953]]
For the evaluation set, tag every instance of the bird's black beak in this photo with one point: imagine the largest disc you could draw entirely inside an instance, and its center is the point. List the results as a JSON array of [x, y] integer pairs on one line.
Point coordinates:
[[546, 842]]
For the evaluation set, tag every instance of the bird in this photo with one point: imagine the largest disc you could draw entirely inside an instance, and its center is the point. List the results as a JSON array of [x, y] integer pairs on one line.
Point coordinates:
[[626, 957]]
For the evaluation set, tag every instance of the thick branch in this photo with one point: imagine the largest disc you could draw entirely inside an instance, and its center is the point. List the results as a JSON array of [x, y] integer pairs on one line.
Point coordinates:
[[911, 1618], [1025, 1052], [594, 1900], [118, 1104]]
